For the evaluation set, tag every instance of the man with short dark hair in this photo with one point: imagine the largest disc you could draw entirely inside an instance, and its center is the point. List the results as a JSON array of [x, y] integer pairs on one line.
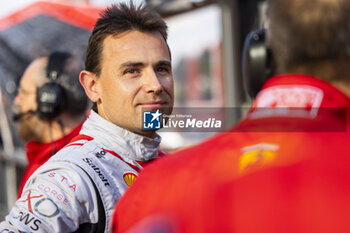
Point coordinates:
[[285, 166], [128, 70], [44, 136], [111, 26]]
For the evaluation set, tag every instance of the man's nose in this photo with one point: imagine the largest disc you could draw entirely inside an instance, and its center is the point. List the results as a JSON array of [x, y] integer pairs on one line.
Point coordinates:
[[152, 82]]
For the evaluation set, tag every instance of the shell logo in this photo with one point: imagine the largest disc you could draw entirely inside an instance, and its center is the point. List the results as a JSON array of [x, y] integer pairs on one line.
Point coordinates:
[[256, 156], [129, 178]]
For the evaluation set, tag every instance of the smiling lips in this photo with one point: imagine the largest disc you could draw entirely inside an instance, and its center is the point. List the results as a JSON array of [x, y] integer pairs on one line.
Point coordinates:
[[153, 104]]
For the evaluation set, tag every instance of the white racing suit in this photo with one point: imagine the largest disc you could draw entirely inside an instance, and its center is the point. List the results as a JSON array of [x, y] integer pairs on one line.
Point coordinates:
[[61, 197]]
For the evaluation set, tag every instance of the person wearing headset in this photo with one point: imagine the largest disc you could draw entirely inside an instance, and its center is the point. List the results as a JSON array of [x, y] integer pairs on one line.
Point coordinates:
[[285, 166], [127, 72], [50, 107]]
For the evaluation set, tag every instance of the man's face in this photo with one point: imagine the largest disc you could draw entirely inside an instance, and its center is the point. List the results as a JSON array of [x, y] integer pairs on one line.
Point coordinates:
[[29, 127], [135, 75]]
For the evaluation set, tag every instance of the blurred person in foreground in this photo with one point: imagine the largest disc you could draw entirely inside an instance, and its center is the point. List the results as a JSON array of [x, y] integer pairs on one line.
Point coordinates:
[[128, 69], [285, 166], [46, 125]]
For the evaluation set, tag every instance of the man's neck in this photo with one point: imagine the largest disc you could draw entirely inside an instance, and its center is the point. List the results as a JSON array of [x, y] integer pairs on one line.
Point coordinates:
[[58, 128]]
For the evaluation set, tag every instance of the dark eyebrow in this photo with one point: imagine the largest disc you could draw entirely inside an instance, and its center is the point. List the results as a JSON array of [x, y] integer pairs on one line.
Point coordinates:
[[138, 64], [131, 64], [163, 63]]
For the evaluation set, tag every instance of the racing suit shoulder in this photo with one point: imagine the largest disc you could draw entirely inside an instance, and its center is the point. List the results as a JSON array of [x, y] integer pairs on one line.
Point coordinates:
[[57, 198], [76, 173]]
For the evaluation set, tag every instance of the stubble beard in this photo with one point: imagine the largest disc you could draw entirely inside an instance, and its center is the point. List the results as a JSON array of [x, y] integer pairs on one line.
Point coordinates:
[[30, 128]]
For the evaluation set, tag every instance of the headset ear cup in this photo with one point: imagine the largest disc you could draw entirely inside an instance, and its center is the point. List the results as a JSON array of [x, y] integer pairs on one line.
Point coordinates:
[[257, 62], [50, 100]]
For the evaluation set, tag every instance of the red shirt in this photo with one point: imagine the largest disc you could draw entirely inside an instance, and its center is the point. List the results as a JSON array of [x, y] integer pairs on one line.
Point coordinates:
[[38, 153], [280, 169]]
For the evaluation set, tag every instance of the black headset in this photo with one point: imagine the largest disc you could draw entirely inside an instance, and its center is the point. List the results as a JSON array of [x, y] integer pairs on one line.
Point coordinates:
[[257, 62], [51, 98]]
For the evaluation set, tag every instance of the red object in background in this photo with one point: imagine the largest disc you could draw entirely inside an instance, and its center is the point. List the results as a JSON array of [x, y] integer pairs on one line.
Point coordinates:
[[39, 29], [79, 15]]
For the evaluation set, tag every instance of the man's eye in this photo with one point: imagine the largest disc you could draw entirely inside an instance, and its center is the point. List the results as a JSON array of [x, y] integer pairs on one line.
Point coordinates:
[[131, 71], [162, 69]]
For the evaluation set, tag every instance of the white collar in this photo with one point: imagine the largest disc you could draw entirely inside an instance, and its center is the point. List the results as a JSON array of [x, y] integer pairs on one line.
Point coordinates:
[[128, 145]]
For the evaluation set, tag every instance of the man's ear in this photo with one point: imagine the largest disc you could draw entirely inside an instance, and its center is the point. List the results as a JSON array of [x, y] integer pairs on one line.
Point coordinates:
[[89, 81]]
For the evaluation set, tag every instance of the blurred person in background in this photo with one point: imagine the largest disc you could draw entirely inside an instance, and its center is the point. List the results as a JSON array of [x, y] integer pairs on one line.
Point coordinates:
[[285, 166], [127, 69], [44, 124]]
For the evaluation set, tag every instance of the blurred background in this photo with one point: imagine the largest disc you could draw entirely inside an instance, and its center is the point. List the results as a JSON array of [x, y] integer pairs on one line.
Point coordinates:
[[205, 37]]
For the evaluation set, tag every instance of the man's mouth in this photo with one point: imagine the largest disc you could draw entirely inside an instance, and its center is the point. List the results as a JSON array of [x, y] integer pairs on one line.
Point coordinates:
[[153, 104]]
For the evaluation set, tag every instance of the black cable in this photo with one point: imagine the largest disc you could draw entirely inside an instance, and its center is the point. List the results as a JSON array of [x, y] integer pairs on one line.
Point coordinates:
[[61, 126], [52, 141]]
